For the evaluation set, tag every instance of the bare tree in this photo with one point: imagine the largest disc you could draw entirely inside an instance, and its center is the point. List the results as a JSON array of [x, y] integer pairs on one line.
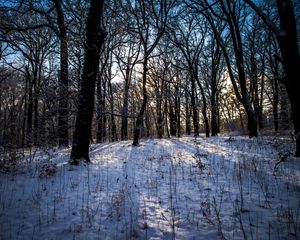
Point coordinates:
[[286, 36], [127, 56], [33, 46], [150, 17], [190, 41], [63, 139], [211, 71], [231, 11], [94, 39]]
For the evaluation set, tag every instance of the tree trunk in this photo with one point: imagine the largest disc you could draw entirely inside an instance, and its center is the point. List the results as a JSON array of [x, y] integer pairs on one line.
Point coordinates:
[[214, 117], [255, 96], [94, 39], [148, 124], [236, 37], [194, 108], [29, 136], [160, 131], [251, 117], [165, 117], [27, 79], [36, 88], [63, 111], [113, 126], [172, 120], [124, 120], [139, 120], [252, 122], [177, 111], [101, 106], [275, 105], [291, 61], [214, 89], [204, 107], [101, 117], [214, 104], [187, 115], [36, 116], [285, 117]]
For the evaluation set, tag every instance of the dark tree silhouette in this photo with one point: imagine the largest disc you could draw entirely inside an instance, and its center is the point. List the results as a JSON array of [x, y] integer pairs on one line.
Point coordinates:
[[94, 40], [288, 42], [63, 139]]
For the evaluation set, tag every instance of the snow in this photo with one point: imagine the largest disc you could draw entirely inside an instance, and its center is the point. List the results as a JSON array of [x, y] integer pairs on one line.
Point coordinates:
[[178, 188]]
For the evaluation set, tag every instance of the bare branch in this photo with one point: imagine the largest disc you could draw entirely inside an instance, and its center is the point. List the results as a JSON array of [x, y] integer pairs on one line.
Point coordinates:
[[265, 18]]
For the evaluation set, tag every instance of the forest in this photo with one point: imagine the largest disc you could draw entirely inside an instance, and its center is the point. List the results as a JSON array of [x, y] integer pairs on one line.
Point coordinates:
[[139, 119]]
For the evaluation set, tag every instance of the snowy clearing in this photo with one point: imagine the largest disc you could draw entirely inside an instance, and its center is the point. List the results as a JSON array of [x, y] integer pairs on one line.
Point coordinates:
[[186, 188]]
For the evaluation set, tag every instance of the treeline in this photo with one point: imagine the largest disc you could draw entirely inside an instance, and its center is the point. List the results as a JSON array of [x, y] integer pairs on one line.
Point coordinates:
[[121, 70]]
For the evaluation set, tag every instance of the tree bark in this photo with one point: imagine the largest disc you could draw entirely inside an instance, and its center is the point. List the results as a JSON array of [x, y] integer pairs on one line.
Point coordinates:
[[187, 115], [160, 129], [213, 97], [35, 110], [172, 119], [101, 118], [94, 39], [63, 111], [139, 120], [275, 105], [291, 61], [29, 135], [255, 96], [113, 126], [214, 116], [177, 110], [194, 107], [124, 120]]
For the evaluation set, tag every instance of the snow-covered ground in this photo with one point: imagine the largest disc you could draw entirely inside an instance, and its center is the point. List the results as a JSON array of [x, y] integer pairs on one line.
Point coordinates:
[[186, 188]]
